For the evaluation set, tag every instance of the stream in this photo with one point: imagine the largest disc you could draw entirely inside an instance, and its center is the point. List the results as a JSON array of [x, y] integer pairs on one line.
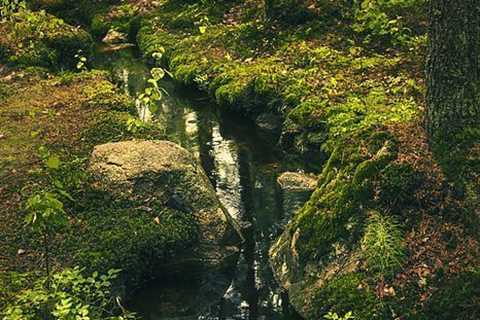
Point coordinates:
[[243, 167]]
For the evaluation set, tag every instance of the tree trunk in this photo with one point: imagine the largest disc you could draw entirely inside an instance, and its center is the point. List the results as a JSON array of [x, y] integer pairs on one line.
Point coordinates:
[[453, 74]]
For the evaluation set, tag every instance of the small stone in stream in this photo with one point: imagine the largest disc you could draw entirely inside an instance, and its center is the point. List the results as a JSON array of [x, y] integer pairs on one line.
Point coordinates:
[[245, 225], [117, 47], [115, 37], [296, 190], [296, 181]]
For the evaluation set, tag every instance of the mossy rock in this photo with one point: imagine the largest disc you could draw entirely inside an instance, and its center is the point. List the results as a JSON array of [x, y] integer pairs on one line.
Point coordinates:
[[125, 18], [40, 39], [168, 218], [74, 11]]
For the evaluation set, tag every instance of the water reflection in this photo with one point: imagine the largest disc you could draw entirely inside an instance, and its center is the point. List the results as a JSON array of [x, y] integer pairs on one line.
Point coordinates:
[[243, 169]]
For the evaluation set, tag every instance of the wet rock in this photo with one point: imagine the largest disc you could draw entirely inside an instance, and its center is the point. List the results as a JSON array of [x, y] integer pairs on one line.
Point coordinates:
[[115, 37], [269, 122], [296, 190], [116, 47], [163, 176]]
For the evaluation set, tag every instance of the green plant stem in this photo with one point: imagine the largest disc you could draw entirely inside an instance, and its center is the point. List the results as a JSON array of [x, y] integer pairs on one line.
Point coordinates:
[[47, 258]]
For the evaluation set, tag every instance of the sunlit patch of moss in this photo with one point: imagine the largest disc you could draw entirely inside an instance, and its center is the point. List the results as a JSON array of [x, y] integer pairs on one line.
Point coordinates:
[[124, 18], [346, 293], [37, 38]]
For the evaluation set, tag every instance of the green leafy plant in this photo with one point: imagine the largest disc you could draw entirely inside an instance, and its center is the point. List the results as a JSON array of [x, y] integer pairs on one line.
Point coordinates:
[[71, 296], [149, 98], [385, 19], [335, 316], [135, 124], [45, 209], [45, 216], [382, 244], [57, 173], [81, 61]]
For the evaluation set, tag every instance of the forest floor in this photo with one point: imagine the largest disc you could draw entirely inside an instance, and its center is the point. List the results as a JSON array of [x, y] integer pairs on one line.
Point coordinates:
[[352, 110]]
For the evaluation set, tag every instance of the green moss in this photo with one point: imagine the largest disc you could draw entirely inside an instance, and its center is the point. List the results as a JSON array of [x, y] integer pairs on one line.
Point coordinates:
[[397, 186], [336, 211], [124, 18], [345, 293], [113, 127], [123, 235], [40, 39], [458, 298], [74, 11]]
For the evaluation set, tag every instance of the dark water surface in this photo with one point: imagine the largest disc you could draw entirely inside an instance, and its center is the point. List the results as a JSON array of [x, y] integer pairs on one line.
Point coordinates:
[[243, 167]]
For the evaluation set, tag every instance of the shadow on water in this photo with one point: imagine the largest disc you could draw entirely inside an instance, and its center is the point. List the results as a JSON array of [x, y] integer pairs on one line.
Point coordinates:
[[243, 167]]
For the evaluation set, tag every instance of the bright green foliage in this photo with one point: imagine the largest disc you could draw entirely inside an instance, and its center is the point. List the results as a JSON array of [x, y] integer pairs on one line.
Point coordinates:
[[382, 244], [72, 296], [38, 38], [46, 212], [390, 20], [150, 98], [341, 295], [8, 7], [335, 316]]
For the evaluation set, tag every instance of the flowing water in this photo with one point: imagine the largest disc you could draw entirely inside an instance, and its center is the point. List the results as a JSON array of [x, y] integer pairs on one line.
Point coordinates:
[[243, 167]]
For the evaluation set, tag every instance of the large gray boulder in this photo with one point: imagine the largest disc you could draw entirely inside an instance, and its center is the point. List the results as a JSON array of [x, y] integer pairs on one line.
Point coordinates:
[[165, 180]]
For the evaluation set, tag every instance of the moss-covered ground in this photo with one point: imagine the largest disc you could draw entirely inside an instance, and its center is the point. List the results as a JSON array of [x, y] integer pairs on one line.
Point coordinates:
[[50, 120], [352, 100], [391, 231]]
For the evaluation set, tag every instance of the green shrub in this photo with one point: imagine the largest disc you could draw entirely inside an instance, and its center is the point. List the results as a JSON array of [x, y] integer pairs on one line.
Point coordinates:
[[395, 21], [71, 296]]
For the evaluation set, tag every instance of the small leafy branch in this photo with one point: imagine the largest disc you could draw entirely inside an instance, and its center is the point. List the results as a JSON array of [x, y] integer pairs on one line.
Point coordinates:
[[46, 216], [153, 93], [45, 210], [147, 101]]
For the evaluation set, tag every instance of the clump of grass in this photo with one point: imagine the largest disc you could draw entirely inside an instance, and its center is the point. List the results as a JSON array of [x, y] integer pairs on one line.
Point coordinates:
[[382, 244]]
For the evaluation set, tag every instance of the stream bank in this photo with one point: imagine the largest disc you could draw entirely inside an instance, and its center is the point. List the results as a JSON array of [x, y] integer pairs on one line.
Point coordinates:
[[243, 165]]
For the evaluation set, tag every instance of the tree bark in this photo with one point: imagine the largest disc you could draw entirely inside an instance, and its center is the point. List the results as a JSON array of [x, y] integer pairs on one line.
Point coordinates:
[[453, 69]]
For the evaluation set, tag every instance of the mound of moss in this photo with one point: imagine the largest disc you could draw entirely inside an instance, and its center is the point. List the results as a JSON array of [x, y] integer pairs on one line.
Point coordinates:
[[36, 38]]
